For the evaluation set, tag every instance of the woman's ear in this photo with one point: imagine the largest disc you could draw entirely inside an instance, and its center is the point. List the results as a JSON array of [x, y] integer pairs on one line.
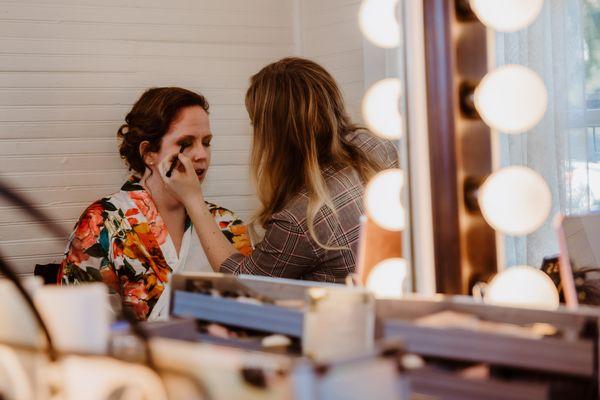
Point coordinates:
[[149, 157]]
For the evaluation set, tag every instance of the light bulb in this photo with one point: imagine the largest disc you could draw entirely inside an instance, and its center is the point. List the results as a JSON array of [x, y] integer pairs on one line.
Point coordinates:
[[511, 99], [515, 200], [378, 22], [380, 108], [507, 15], [383, 202], [387, 278], [522, 286]]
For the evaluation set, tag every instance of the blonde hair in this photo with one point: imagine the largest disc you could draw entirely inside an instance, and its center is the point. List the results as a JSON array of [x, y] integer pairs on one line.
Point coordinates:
[[300, 128]]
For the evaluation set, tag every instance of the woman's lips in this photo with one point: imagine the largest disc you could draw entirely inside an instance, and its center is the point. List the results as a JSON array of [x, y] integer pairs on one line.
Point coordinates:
[[200, 173]]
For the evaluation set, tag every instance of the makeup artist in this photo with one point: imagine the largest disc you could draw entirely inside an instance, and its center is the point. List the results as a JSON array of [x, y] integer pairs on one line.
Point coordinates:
[[310, 164], [135, 239]]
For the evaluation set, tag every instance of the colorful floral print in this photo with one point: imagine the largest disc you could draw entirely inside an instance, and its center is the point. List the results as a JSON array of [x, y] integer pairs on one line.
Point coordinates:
[[121, 240]]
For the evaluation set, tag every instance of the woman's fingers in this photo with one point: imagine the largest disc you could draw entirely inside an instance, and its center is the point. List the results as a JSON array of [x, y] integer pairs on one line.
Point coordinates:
[[183, 182], [186, 162], [169, 163]]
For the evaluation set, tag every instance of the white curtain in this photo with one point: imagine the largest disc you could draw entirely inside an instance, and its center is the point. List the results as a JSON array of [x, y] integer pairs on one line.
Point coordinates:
[[553, 46]]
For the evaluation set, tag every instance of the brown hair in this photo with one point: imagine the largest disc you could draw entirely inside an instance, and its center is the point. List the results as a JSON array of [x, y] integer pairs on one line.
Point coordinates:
[[150, 119], [300, 127]]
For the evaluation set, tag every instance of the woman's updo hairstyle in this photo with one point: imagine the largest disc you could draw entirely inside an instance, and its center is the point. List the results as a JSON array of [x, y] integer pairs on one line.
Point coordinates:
[[150, 119]]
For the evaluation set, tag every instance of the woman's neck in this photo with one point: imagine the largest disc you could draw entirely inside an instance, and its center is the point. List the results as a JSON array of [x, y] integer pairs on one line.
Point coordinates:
[[169, 208]]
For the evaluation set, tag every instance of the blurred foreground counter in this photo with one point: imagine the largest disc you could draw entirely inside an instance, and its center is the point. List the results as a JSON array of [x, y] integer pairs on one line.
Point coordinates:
[[474, 350], [263, 338], [468, 350]]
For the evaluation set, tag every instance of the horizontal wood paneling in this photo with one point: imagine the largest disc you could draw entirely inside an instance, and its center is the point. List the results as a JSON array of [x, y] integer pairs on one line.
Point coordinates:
[[131, 80], [70, 71], [331, 37], [188, 5], [100, 96], [98, 129]]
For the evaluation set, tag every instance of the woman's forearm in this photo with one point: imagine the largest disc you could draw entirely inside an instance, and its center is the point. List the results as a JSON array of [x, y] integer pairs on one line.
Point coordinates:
[[185, 186], [215, 244]]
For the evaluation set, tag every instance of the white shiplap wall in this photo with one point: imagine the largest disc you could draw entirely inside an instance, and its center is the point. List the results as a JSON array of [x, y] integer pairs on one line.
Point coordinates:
[[331, 36], [71, 69]]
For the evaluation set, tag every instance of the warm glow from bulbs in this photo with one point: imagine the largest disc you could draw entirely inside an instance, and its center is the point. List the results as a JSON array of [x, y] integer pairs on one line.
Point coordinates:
[[378, 22], [387, 278], [511, 99], [383, 202], [507, 15], [515, 200], [522, 286], [380, 108]]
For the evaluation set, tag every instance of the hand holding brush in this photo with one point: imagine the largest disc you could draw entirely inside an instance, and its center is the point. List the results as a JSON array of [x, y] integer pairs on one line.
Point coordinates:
[[174, 162]]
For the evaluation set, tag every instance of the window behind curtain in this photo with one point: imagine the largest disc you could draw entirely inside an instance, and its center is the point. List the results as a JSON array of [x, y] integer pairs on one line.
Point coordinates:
[[587, 179], [563, 47]]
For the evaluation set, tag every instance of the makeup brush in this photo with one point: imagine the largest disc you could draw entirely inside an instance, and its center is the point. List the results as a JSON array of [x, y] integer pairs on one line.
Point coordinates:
[[174, 162]]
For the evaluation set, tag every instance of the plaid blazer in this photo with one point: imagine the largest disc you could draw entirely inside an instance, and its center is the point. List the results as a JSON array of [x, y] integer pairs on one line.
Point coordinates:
[[288, 250]]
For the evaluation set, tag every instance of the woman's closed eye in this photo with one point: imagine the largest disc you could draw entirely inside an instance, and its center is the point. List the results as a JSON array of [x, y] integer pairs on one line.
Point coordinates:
[[184, 142]]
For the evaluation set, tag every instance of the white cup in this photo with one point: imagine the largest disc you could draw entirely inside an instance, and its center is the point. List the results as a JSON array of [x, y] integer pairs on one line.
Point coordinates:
[[77, 316], [17, 323], [338, 322]]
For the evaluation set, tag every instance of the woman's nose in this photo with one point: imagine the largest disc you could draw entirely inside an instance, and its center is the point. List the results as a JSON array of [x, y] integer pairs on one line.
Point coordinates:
[[198, 152]]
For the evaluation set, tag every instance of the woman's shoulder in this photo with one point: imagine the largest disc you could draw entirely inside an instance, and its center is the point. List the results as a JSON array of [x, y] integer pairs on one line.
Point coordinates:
[[103, 207], [383, 150], [232, 227], [222, 213]]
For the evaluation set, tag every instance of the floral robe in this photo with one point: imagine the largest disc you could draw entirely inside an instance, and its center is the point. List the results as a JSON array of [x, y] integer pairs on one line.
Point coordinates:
[[123, 241]]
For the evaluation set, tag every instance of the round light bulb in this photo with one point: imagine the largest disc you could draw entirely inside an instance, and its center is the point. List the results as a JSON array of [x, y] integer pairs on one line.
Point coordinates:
[[507, 15], [380, 108], [377, 21], [387, 278], [522, 286], [383, 202], [511, 99], [515, 200]]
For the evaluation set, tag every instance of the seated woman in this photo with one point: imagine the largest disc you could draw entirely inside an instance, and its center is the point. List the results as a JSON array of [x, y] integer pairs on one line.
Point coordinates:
[[310, 165], [135, 239]]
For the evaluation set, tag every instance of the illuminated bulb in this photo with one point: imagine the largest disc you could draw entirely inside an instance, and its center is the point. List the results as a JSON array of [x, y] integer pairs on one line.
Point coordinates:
[[380, 108], [507, 15], [515, 200], [387, 277], [522, 286], [511, 99], [383, 200], [377, 21]]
